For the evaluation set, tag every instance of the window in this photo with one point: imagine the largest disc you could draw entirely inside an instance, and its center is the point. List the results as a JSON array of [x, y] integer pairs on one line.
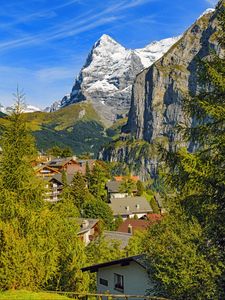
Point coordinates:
[[103, 282], [118, 282]]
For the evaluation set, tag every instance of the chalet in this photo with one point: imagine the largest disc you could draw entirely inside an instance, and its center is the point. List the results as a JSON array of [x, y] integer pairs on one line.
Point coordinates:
[[88, 229], [63, 164], [54, 186], [129, 207], [127, 276], [71, 165], [53, 189], [45, 171]]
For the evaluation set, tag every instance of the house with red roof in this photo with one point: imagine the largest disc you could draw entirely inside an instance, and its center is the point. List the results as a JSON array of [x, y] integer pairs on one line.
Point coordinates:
[[133, 225]]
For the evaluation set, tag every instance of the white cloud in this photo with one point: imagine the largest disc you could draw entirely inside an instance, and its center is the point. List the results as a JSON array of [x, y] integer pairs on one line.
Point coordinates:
[[55, 73]]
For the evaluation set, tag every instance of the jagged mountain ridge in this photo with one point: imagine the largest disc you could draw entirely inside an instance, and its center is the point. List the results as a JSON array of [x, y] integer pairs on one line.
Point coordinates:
[[158, 93], [108, 74], [27, 109]]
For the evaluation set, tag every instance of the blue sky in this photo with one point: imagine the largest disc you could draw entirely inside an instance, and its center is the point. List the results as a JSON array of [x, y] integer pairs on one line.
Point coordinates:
[[44, 43]]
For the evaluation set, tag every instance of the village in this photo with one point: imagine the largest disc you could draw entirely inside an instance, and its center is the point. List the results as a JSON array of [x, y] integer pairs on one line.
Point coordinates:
[[132, 211]]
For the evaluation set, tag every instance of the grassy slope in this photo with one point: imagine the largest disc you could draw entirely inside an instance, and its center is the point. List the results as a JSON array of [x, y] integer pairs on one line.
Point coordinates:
[[25, 295], [77, 126]]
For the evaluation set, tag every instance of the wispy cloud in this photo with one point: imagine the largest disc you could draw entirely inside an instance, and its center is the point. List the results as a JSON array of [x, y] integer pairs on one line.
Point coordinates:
[[55, 73], [62, 32], [46, 13], [88, 21]]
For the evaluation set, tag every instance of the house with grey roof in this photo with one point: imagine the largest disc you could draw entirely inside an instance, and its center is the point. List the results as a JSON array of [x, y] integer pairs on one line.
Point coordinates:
[[114, 236], [129, 207], [115, 190], [128, 276]]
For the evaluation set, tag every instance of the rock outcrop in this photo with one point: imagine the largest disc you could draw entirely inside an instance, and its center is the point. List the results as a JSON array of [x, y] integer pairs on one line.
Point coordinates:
[[158, 94]]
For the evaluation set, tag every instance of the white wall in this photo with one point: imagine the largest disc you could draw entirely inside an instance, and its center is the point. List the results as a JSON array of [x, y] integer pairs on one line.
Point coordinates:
[[118, 195], [136, 280]]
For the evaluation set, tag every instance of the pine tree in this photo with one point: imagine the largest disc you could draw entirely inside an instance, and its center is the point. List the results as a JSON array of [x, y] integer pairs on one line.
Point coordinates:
[[79, 191], [140, 188], [127, 185], [98, 179], [198, 181], [38, 245], [25, 229]]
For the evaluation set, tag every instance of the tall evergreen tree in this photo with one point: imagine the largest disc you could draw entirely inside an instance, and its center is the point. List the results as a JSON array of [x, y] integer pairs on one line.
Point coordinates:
[[98, 179], [24, 220], [79, 191], [37, 244]]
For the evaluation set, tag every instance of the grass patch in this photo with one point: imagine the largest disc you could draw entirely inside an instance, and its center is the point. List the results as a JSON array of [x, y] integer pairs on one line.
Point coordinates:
[[27, 295]]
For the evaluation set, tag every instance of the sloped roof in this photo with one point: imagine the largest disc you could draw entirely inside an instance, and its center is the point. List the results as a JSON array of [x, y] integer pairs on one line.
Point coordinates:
[[121, 237], [86, 224], [113, 186], [58, 177], [139, 259], [60, 162], [159, 200], [39, 168], [130, 205], [135, 224]]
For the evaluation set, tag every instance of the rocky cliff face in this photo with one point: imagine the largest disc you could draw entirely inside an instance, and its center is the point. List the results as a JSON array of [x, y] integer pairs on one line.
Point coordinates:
[[108, 74], [158, 93]]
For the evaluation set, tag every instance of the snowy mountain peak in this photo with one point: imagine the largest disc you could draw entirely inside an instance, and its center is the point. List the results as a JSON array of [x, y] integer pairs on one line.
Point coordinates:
[[207, 11], [106, 38], [108, 74], [155, 50], [26, 109], [106, 43]]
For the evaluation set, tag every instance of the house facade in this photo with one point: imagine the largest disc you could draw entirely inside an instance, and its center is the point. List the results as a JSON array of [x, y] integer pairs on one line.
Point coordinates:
[[128, 276], [54, 189], [88, 229], [45, 171]]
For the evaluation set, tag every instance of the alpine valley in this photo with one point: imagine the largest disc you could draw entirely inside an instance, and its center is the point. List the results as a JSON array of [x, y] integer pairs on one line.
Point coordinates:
[[149, 83], [93, 113]]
